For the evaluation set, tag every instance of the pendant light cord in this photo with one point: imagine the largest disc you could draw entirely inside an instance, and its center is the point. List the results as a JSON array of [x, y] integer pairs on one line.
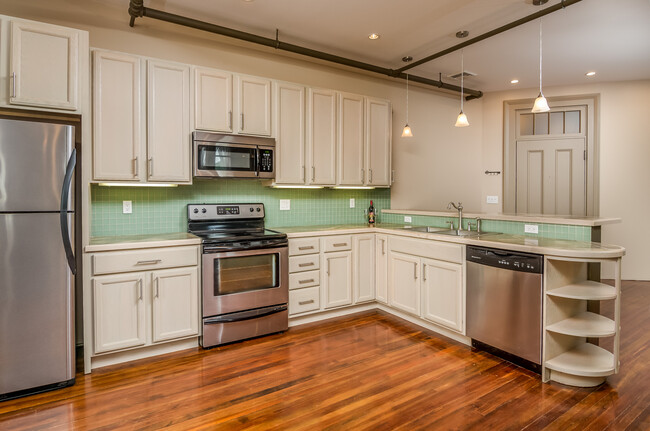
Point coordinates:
[[407, 98], [540, 56], [462, 77]]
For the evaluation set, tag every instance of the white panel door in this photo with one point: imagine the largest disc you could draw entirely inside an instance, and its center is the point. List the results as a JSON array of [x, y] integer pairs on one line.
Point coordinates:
[[168, 122], [175, 303], [254, 105], [551, 177], [321, 137], [117, 117], [378, 142], [350, 140], [44, 65], [289, 133], [119, 312], [404, 282], [213, 100], [337, 279], [363, 250], [381, 265], [442, 293]]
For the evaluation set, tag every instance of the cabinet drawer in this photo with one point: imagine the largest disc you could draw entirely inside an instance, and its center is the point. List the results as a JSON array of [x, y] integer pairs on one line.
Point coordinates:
[[427, 248], [337, 243], [303, 246], [304, 263], [138, 260], [304, 279], [303, 300]]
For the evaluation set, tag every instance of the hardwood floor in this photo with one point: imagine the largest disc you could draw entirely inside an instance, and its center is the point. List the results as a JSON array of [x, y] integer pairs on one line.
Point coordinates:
[[369, 371]]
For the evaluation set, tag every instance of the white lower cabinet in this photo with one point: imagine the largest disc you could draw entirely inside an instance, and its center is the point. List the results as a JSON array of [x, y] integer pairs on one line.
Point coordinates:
[[175, 299], [381, 265], [442, 293], [337, 279], [363, 252], [404, 282]]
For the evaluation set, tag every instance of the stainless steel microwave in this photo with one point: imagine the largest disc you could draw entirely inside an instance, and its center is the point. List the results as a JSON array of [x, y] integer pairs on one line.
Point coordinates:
[[233, 156]]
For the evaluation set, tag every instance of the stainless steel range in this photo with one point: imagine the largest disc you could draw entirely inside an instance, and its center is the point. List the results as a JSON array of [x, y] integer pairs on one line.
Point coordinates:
[[245, 272]]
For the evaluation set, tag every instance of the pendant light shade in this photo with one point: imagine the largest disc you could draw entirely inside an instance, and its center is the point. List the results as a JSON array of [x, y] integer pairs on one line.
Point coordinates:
[[407, 132], [541, 105], [461, 121]]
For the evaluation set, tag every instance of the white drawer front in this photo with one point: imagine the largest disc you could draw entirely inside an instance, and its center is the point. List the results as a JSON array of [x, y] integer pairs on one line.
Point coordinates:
[[427, 248], [337, 243], [304, 279], [300, 246], [304, 263], [303, 300], [112, 262]]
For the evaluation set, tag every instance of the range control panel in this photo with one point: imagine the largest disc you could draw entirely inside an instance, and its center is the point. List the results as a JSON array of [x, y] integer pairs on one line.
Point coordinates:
[[224, 211]]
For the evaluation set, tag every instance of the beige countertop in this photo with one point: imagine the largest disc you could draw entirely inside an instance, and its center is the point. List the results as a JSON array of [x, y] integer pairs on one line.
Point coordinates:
[[531, 218], [130, 242]]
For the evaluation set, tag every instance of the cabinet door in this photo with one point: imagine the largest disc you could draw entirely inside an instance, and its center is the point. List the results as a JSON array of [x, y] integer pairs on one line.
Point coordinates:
[[175, 303], [289, 133], [44, 65], [321, 136], [381, 277], [378, 142], [116, 116], [119, 312], [364, 267], [350, 140], [442, 293], [213, 100], [404, 282], [168, 122], [337, 279], [254, 105]]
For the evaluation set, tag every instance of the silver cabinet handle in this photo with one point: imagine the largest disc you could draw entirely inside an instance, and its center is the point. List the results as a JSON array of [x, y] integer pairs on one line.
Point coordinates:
[[148, 262], [306, 247], [392, 176], [328, 266], [415, 271], [303, 174], [383, 246], [135, 166], [140, 289], [313, 173], [241, 126], [311, 280], [424, 272], [302, 265], [150, 161], [13, 84], [340, 244], [311, 301], [362, 176], [370, 175], [157, 294], [230, 120]]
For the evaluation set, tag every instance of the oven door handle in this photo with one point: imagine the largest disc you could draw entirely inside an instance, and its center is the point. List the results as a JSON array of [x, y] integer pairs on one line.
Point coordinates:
[[244, 315]]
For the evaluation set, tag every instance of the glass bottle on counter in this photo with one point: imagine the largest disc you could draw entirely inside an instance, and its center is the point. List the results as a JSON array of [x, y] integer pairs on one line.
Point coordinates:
[[371, 214]]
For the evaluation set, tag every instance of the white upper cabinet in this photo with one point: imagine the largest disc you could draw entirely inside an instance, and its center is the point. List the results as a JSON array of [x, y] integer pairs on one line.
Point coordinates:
[[321, 137], [289, 111], [168, 122], [253, 104], [378, 142], [213, 100], [117, 116], [350, 140], [44, 65]]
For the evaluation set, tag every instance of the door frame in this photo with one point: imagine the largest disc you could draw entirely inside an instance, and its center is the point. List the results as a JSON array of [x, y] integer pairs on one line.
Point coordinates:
[[509, 185]]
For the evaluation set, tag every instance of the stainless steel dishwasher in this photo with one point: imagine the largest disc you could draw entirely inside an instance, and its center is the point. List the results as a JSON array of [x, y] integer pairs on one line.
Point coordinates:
[[504, 304]]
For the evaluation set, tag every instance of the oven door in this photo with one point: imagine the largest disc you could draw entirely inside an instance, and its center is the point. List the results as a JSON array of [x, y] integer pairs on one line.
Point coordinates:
[[242, 280], [225, 160]]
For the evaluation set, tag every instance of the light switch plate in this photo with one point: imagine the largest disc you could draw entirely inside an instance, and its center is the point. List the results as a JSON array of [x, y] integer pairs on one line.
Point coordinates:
[[407, 219], [285, 204], [493, 199], [127, 207], [352, 203], [531, 228]]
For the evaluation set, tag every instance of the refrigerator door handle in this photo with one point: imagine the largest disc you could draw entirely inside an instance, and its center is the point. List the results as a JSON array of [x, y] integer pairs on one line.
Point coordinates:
[[65, 192]]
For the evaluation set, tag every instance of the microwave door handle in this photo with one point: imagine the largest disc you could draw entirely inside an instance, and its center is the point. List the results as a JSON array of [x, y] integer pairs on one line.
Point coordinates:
[[63, 212], [258, 162]]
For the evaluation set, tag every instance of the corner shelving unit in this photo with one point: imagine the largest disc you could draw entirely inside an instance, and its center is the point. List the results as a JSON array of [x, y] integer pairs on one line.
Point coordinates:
[[571, 327]]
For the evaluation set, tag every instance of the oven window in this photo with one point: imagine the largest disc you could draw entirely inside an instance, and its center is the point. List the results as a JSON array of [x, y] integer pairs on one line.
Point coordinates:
[[213, 158], [246, 273]]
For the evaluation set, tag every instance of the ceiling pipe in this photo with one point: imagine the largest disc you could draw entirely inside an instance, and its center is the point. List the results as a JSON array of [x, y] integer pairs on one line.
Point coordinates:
[[137, 9], [517, 23]]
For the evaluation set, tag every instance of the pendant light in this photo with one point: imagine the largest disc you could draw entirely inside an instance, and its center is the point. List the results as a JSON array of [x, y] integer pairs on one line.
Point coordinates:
[[406, 132], [461, 121], [541, 105]]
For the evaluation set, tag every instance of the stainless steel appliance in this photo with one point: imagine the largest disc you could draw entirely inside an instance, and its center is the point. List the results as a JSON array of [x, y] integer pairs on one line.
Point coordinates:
[[37, 263], [504, 304], [233, 156], [245, 272]]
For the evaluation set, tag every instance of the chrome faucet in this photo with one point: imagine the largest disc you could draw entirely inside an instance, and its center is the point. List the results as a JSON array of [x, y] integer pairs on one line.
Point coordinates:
[[459, 207]]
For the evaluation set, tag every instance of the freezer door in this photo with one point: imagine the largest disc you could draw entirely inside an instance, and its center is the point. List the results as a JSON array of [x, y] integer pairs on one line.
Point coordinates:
[[33, 159], [36, 303]]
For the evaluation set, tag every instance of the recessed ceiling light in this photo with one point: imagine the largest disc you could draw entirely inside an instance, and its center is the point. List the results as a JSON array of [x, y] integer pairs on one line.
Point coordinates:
[[514, 81], [590, 73], [373, 36]]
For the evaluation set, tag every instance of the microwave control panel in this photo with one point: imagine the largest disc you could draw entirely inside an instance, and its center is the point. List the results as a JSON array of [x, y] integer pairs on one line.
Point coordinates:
[[266, 160]]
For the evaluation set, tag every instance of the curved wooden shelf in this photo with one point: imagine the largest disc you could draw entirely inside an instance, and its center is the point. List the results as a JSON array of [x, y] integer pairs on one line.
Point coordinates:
[[584, 360], [585, 324], [587, 290]]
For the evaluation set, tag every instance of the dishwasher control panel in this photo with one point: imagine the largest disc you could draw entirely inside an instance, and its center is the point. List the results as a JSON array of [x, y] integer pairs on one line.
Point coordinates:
[[515, 261]]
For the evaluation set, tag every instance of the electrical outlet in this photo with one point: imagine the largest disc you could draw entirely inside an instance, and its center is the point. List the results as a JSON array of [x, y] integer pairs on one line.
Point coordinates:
[[285, 204], [352, 203], [531, 228], [127, 207], [493, 199], [407, 219]]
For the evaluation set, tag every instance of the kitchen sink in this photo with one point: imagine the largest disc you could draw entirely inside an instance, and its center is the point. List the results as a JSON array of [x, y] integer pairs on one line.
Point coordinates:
[[426, 229], [455, 232]]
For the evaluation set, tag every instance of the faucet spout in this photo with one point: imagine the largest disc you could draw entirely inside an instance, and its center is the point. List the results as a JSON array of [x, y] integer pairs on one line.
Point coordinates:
[[458, 207]]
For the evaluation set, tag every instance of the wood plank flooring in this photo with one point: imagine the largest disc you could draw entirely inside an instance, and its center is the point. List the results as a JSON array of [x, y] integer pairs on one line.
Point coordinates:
[[369, 371]]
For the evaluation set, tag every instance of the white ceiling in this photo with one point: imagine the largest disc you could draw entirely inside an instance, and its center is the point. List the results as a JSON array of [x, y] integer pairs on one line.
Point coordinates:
[[609, 37]]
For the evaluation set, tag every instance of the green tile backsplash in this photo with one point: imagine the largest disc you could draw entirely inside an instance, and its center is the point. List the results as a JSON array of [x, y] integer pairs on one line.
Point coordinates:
[[163, 210]]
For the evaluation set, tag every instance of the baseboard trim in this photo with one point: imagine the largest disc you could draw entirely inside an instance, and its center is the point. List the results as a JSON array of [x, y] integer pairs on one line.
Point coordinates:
[[143, 352]]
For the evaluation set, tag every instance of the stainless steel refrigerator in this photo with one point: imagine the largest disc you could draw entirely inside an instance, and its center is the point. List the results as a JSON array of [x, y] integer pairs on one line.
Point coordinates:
[[37, 264]]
